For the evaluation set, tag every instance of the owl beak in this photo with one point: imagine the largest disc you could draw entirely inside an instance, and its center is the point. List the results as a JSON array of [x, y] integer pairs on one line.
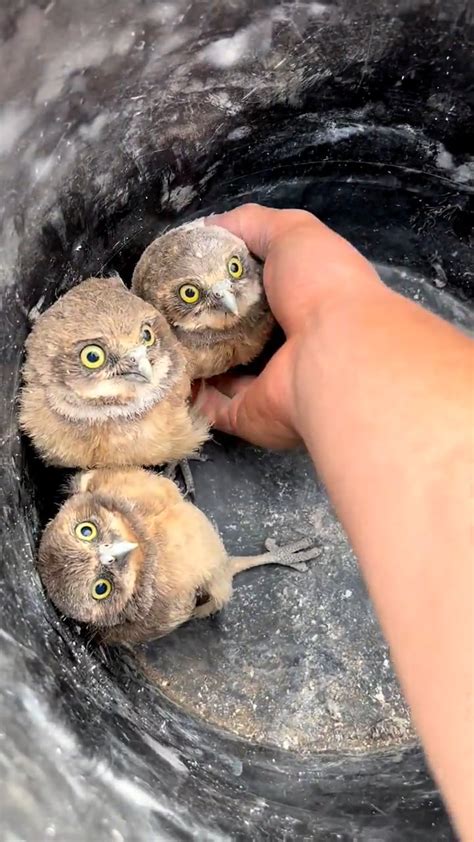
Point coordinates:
[[140, 366], [222, 291], [118, 551]]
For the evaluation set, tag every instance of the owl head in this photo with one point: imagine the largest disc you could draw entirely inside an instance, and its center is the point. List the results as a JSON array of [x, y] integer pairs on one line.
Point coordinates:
[[95, 560], [101, 353], [199, 276]]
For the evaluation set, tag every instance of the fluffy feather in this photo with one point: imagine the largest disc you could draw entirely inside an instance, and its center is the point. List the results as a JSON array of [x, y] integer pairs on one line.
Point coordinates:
[[113, 415], [174, 567], [214, 338]]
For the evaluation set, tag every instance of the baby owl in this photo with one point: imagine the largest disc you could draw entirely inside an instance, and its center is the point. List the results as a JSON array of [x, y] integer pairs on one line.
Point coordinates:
[[105, 382], [130, 558], [209, 288]]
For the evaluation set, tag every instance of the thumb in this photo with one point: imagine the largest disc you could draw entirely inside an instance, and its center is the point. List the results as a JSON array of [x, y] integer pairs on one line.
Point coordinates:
[[243, 410], [227, 408]]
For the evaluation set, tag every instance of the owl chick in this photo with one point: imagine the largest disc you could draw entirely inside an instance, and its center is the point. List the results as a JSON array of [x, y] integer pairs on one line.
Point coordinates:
[[130, 558], [209, 288], [105, 382]]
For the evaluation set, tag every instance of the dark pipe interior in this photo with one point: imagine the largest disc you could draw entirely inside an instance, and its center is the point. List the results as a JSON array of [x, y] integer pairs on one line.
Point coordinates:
[[282, 719]]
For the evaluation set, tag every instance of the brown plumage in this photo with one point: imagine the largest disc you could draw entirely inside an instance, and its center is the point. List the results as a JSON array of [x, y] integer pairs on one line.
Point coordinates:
[[130, 558], [105, 382], [209, 288]]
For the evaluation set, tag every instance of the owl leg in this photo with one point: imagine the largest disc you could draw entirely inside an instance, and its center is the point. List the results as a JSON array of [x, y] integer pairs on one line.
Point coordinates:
[[171, 472], [294, 555]]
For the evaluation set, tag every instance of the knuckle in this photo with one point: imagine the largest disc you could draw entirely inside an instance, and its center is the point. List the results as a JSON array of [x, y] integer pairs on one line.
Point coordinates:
[[301, 217], [291, 221], [249, 207]]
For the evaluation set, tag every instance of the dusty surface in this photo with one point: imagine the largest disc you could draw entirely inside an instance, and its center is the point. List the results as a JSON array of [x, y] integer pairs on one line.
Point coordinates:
[[297, 658]]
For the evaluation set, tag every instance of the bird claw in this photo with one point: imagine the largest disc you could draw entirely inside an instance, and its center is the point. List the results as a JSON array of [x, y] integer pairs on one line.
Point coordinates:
[[171, 472], [295, 554], [198, 457]]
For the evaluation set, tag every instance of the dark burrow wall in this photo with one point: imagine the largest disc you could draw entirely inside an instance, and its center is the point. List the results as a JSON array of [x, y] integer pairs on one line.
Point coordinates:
[[282, 718]]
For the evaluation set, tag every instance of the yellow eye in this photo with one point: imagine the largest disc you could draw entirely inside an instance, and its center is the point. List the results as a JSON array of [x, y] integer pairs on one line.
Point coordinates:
[[93, 356], [189, 293], [86, 531], [101, 589], [235, 268], [147, 336]]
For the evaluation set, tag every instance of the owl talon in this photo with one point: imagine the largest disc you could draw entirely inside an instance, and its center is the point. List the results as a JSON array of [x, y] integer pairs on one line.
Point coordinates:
[[299, 566], [295, 554], [198, 457], [171, 472]]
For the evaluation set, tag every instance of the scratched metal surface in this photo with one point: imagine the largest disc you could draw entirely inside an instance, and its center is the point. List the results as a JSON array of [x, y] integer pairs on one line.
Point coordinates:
[[114, 123]]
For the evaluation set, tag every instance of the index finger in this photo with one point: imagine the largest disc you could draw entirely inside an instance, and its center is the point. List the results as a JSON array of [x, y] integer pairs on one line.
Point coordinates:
[[257, 226]]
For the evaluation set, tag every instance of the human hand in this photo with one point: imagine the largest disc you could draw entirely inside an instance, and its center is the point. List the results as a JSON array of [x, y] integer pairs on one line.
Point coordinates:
[[308, 270]]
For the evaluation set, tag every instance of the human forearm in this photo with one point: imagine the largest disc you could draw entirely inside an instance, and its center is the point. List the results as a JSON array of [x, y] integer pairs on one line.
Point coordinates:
[[383, 400], [381, 393]]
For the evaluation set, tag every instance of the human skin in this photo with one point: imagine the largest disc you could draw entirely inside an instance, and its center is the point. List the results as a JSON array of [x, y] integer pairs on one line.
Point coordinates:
[[380, 391]]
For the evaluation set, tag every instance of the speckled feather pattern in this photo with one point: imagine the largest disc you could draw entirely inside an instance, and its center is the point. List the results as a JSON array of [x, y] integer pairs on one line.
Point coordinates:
[[212, 341], [178, 556], [137, 425], [179, 551]]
